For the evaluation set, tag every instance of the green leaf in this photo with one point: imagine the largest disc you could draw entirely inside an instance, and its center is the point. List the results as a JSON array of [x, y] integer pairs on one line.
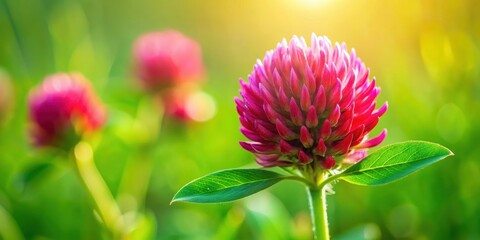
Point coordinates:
[[33, 175], [227, 185], [393, 162]]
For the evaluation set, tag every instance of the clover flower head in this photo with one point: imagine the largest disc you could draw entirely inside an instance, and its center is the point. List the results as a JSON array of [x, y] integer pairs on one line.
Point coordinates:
[[166, 58], [309, 106], [63, 109]]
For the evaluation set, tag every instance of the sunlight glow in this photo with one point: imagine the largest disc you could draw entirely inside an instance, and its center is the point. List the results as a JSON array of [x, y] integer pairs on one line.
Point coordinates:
[[309, 3]]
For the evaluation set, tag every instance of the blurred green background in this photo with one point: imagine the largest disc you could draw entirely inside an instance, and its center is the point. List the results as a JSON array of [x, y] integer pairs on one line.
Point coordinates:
[[425, 55]]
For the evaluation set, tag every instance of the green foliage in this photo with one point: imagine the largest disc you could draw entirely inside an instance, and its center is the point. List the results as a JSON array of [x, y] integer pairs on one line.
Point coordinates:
[[385, 165], [227, 185], [33, 174], [393, 162]]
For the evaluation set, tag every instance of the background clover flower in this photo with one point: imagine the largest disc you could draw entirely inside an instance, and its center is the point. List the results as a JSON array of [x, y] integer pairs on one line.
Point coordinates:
[[308, 105], [62, 109], [166, 58]]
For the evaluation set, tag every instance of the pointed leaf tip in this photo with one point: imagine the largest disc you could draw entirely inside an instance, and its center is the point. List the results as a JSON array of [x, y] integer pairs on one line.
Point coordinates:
[[394, 161], [227, 185]]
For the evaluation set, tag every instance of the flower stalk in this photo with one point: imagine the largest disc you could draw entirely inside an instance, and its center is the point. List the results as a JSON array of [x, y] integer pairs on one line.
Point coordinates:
[[318, 211], [136, 178], [104, 203]]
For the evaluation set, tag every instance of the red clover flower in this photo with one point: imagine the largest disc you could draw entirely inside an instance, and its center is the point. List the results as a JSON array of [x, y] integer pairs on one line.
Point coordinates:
[[167, 58], [309, 106], [62, 109]]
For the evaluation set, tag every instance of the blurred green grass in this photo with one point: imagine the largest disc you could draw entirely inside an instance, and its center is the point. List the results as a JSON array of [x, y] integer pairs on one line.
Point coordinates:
[[425, 55]]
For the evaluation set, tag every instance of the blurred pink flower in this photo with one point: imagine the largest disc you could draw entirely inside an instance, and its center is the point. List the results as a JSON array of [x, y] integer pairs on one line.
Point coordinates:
[[62, 109], [308, 105], [166, 58]]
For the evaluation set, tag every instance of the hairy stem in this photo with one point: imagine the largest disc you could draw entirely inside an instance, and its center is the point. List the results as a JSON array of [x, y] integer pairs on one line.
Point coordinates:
[[318, 212]]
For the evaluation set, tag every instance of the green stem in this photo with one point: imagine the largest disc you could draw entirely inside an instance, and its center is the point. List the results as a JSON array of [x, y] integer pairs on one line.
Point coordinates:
[[136, 177], [135, 181], [318, 212], [328, 180], [96, 187]]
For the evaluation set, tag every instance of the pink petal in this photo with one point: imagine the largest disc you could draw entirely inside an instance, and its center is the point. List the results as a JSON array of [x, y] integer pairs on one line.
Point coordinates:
[[305, 101], [334, 116], [295, 113], [268, 97], [240, 105], [367, 90], [283, 99], [357, 134], [264, 132], [286, 148], [320, 100], [268, 157], [343, 146], [379, 112], [305, 137], [251, 134], [371, 123], [326, 129], [294, 84], [355, 156], [265, 148], [312, 118], [373, 142], [246, 123], [255, 108], [310, 80], [334, 95], [329, 162], [270, 160], [284, 131], [321, 148], [247, 146], [347, 100], [303, 157], [277, 80], [327, 78], [341, 70]]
